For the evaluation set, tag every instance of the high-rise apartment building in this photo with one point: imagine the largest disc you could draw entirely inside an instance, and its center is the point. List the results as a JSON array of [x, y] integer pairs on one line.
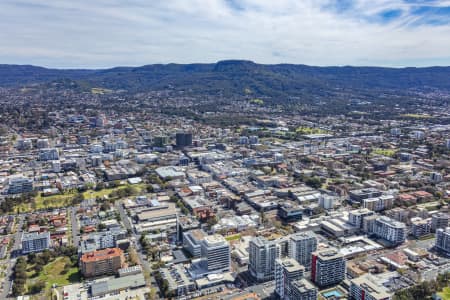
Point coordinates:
[[390, 230], [356, 217], [327, 267], [443, 240], [301, 245], [262, 256], [35, 242], [286, 271], [439, 220]]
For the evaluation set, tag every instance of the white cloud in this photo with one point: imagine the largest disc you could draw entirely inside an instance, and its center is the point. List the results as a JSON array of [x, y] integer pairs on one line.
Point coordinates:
[[105, 33]]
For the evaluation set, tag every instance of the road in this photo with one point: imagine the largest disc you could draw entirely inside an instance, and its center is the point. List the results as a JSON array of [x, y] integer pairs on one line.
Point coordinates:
[[75, 229], [12, 261], [126, 221]]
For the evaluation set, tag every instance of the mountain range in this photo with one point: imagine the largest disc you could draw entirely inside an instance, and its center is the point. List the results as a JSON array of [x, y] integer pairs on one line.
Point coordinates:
[[237, 77]]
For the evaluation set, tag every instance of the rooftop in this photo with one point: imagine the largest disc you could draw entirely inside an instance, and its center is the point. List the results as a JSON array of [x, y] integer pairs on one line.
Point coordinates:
[[101, 255]]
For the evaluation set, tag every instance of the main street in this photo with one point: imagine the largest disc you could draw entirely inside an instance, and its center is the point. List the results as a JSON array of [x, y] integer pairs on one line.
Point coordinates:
[[75, 229], [135, 240], [13, 254]]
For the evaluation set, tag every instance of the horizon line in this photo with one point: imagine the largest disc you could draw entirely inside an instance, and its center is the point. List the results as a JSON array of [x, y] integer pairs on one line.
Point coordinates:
[[90, 68]]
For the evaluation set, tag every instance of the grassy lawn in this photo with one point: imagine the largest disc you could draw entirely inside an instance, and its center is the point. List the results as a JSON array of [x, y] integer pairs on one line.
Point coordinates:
[[53, 274], [233, 237], [43, 202], [257, 101], [384, 152], [417, 116], [445, 293], [94, 194], [22, 207], [106, 192], [101, 91], [310, 130], [54, 200], [64, 200]]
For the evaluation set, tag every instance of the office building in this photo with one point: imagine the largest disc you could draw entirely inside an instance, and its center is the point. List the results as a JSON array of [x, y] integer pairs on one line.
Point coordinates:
[[48, 154], [327, 267], [262, 256], [286, 271], [42, 143], [327, 201], [417, 134], [357, 196], [183, 139], [192, 242], [365, 287], [160, 141], [443, 240], [301, 246], [243, 140], [302, 289], [215, 257], [436, 177], [25, 144], [102, 262], [390, 230], [396, 131], [216, 250], [35, 242], [19, 184], [439, 220], [253, 140], [290, 213]]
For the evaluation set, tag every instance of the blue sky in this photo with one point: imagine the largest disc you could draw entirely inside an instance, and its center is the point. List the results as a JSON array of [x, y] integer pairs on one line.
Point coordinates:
[[106, 33]]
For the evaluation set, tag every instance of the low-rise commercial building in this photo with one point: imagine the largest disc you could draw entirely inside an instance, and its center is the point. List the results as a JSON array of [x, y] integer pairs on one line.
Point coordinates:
[[366, 287], [114, 285]]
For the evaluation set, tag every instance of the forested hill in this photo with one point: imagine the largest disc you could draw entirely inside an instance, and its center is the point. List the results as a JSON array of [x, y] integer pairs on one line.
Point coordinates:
[[237, 77]]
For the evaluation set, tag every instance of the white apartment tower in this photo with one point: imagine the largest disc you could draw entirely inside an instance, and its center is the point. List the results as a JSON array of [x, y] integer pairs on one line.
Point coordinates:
[[301, 245]]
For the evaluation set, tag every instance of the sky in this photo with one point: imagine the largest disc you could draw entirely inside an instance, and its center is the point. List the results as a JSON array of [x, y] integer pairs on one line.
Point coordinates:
[[107, 33]]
